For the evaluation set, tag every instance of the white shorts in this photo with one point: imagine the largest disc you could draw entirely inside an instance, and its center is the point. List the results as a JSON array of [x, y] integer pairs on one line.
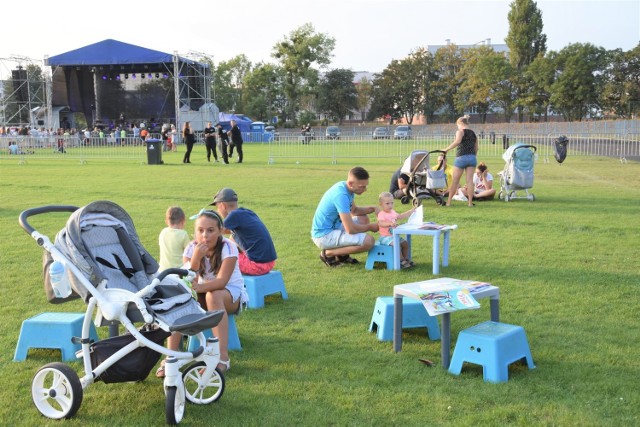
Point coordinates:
[[339, 239]]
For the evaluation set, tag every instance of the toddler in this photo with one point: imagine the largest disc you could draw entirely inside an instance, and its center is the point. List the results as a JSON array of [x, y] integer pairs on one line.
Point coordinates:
[[173, 239], [387, 217]]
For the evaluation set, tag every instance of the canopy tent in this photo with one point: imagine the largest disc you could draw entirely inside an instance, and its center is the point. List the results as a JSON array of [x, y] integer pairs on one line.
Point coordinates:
[[78, 75], [244, 122]]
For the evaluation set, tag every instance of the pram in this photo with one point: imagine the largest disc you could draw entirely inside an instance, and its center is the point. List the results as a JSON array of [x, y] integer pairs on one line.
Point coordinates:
[[518, 172], [109, 269], [420, 186]]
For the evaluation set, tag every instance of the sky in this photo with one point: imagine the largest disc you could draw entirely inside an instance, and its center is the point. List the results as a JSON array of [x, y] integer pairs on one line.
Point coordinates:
[[368, 34]]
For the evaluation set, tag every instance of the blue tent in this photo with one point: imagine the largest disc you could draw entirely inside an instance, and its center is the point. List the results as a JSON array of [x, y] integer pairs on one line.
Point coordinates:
[[244, 122], [111, 52]]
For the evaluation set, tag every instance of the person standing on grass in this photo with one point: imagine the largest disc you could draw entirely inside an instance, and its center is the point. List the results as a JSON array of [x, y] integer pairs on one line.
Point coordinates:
[[257, 255], [189, 139], [339, 227], [236, 140], [466, 142], [223, 138], [210, 142]]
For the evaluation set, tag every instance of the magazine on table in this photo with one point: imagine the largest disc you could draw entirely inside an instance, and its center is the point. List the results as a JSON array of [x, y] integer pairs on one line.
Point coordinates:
[[447, 295]]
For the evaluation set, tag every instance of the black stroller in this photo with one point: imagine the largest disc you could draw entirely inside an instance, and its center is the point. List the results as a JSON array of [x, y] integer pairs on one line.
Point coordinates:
[[111, 271], [423, 180]]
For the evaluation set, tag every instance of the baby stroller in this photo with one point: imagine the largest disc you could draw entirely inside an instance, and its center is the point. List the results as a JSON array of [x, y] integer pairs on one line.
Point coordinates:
[[423, 182], [119, 281], [518, 172]]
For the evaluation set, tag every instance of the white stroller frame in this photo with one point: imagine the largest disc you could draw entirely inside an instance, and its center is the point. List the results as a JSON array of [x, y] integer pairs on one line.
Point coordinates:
[[417, 188], [517, 175], [57, 391]]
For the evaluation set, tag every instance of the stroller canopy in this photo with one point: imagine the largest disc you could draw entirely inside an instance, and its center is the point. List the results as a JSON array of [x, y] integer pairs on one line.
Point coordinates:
[[101, 241]]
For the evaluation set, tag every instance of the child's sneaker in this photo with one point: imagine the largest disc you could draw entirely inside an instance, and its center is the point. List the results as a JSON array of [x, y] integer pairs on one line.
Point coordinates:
[[460, 198]]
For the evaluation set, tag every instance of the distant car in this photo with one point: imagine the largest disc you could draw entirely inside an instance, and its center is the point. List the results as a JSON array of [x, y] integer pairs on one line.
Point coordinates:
[[402, 132], [381, 133], [332, 132]]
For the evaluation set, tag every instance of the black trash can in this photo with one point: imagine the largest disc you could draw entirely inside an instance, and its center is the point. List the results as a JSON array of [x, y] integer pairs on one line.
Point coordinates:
[[154, 151]]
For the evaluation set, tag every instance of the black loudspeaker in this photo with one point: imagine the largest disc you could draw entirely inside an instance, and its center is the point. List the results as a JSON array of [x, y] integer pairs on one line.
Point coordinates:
[[20, 84]]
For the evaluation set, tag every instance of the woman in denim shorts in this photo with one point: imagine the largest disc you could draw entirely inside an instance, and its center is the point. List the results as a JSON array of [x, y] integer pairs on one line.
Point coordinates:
[[466, 142]]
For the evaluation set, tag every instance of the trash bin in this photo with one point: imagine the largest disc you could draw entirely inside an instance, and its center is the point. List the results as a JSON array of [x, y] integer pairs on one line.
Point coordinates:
[[154, 151]]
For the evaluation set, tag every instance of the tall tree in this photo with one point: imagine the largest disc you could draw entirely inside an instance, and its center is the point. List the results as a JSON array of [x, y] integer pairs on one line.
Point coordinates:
[[365, 93], [621, 94], [262, 92], [580, 70], [448, 63], [297, 54], [228, 78], [526, 41], [337, 95]]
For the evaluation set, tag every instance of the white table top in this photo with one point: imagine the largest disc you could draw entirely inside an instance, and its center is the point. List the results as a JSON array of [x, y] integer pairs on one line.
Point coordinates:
[[476, 288]]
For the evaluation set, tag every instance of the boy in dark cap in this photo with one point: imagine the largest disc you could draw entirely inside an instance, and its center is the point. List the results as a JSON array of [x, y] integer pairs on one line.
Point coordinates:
[[257, 254]]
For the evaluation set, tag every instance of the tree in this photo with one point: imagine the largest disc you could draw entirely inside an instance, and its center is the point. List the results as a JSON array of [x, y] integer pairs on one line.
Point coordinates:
[[297, 54], [228, 78], [365, 93], [526, 41], [262, 91], [580, 72], [541, 74], [486, 82], [337, 95], [426, 81], [447, 64], [621, 93]]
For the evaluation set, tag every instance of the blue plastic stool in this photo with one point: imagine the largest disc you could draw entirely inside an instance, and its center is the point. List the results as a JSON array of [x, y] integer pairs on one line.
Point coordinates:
[[494, 346], [260, 286], [52, 330], [380, 253], [234, 339], [414, 315]]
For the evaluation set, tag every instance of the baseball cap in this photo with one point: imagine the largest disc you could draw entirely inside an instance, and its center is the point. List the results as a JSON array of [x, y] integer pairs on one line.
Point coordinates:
[[224, 195]]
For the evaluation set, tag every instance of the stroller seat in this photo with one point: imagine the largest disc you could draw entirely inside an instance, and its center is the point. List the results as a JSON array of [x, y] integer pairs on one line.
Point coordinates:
[[101, 240]]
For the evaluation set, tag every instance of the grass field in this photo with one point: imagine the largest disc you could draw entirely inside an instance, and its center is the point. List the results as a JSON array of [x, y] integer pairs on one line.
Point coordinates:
[[567, 267]]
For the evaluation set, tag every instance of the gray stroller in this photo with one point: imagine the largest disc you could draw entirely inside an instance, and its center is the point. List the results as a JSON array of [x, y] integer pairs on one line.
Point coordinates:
[[420, 186], [117, 278]]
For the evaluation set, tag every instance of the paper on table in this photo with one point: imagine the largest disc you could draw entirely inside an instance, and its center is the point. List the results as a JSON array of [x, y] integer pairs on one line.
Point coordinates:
[[417, 217]]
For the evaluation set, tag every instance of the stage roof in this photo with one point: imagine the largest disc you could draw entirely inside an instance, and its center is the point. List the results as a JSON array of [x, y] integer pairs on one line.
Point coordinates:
[[111, 52]]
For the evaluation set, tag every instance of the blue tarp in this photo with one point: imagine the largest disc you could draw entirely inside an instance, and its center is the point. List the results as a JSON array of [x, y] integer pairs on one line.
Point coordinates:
[[111, 52], [244, 122]]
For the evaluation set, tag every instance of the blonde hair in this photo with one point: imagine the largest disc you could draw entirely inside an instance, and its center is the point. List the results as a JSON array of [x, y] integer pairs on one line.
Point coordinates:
[[463, 120], [385, 195]]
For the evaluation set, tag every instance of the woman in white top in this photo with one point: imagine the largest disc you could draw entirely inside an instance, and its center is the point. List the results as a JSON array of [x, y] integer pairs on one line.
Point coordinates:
[[482, 185]]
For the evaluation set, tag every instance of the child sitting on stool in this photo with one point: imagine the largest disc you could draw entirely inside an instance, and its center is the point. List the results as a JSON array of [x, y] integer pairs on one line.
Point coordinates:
[[387, 217]]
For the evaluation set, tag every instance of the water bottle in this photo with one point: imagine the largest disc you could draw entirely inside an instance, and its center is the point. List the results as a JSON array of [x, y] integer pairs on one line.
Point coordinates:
[[59, 280]]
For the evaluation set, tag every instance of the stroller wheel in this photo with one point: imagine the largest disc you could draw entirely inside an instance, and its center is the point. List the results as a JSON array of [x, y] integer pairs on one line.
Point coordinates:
[[501, 195], [174, 405], [196, 390], [56, 391], [416, 202], [531, 197], [404, 200]]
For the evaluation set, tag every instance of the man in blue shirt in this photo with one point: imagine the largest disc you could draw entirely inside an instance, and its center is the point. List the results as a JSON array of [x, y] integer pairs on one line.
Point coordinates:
[[257, 254], [339, 227]]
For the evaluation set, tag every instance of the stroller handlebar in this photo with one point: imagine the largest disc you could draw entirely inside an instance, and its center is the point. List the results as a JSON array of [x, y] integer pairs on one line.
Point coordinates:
[[42, 209]]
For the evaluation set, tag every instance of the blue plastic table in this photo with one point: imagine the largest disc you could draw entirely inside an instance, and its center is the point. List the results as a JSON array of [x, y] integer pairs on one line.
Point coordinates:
[[408, 230]]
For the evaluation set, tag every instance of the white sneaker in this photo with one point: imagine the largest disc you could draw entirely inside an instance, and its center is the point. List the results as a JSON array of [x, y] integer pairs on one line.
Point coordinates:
[[460, 198]]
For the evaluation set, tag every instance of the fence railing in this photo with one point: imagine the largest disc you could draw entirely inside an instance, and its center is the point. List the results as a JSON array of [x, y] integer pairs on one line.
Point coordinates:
[[292, 148]]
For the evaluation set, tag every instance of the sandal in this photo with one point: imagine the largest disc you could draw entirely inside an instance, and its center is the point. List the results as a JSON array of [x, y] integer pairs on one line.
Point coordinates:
[[346, 259], [405, 264], [224, 365], [160, 371], [330, 261]]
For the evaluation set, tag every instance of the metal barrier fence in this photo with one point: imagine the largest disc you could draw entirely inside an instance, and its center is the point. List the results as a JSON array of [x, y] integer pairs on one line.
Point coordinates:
[[292, 148], [74, 147]]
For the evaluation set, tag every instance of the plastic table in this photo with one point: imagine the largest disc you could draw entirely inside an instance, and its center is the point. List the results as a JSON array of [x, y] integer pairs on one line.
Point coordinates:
[[410, 290], [408, 230]]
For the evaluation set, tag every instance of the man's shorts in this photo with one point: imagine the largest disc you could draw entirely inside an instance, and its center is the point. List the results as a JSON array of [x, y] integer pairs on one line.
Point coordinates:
[[466, 161], [339, 239]]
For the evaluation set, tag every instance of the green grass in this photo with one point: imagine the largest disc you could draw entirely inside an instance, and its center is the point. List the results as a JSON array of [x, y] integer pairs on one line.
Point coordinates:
[[567, 266]]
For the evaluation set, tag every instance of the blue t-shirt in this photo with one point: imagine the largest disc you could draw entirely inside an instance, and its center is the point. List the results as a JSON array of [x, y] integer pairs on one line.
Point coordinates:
[[251, 235], [337, 199]]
